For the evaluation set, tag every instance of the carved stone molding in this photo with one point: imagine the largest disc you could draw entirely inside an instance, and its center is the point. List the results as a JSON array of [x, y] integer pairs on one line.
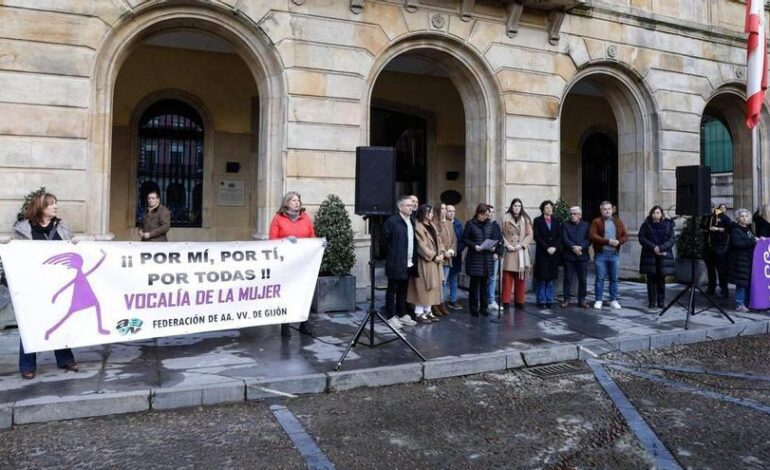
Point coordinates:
[[298, 2], [555, 19], [411, 5], [515, 9], [466, 9], [356, 6]]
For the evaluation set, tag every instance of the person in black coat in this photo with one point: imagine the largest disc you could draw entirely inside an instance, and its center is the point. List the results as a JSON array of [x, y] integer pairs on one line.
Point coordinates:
[[716, 230], [400, 249], [656, 236], [762, 221], [547, 234], [480, 263], [742, 241], [575, 255]]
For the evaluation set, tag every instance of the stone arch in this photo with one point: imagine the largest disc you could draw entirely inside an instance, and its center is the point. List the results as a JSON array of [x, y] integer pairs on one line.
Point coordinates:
[[729, 100], [244, 37], [482, 102], [637, 136]]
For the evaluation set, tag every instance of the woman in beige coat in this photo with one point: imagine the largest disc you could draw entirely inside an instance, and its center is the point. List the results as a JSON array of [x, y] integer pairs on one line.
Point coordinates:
[[448, 239], [517, 236], [425, 290]]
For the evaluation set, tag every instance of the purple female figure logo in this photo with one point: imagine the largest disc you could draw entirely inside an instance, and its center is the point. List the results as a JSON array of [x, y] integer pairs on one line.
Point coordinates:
[[83, 295]]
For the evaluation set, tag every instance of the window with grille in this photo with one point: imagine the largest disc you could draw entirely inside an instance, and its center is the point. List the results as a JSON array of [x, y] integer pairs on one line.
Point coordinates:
[[170, 161], [716, 145]]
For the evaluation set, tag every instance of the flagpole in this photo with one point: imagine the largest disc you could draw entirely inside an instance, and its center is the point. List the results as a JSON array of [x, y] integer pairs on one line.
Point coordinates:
[[756, 182]]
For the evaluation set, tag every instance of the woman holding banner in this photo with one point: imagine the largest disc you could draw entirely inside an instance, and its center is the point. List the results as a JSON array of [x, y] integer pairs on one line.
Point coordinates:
[[41, 223], [292, 222], [742, 241]]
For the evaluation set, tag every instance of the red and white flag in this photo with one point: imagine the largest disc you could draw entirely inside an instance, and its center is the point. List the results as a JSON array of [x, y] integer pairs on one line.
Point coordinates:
[[756, 60]]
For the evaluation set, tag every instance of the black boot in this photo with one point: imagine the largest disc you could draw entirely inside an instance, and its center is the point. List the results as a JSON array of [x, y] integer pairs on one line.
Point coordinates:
[[286, 330]]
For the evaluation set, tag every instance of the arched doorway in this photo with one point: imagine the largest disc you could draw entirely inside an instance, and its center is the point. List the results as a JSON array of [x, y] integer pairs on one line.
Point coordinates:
[[726, 146], [436, 101], [179, 28], [608, 139], [599, 168]]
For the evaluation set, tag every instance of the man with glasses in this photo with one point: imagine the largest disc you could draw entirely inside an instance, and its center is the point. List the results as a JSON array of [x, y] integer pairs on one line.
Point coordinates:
[[575, 255]]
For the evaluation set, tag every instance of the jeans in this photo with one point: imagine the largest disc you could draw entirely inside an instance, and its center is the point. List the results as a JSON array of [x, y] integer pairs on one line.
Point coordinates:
[[28, 361], [544, 292], [606, 266], [492, 282], [395, 297], [741, 296], [445, 284], [572, 269], [452, 281], [476, 298]]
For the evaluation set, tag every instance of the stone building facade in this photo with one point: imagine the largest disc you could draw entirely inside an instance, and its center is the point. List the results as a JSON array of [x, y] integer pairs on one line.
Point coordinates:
[[493, 99]]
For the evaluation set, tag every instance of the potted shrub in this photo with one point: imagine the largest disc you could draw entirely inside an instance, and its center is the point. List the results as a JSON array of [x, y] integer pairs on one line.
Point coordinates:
[[336, 287], [689, 249]]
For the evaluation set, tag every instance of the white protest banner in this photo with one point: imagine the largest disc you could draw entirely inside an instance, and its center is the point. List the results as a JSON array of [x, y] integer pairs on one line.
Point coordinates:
[[67, 295]]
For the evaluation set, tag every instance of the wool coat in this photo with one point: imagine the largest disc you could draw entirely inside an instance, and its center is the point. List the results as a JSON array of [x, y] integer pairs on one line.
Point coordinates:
[[457, 261], [575, 235], [761, 226], [394, 239], [717, 241], [647, 240], [546, 265], [514, 234], [426, 289], [742, 241], [448, 238], [157, 223], [480, 263]]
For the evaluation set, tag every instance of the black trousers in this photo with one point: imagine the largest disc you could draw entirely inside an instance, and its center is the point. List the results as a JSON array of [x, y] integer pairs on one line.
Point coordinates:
[[571, 270], [395, 297], [656, 285], [716, 267], [477, 294]]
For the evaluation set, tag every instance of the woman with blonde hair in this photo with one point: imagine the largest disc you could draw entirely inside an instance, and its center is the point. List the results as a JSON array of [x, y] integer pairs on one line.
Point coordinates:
[[292, 222]]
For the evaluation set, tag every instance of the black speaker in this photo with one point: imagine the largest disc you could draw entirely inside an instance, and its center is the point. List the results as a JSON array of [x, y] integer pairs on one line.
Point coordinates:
[[693, 190], [375, 180]]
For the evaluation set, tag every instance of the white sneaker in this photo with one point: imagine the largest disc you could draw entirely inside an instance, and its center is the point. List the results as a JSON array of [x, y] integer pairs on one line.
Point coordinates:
[[406, 320], [598, 305], [615, 305], [493, 306], [393, 321]]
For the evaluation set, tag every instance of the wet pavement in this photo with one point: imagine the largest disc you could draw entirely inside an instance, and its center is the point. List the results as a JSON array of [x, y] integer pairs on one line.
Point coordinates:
[[238, 355], [510, 419]]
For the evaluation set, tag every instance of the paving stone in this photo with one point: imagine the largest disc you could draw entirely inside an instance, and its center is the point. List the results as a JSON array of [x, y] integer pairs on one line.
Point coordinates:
[[632, 343], [514, 360], [724, 332], [468, 365], [375, 377], [665, 340], [297, 385], [592, 349], [534, 357], [753, 328], [6, 416], [197, 395], [38, 410]]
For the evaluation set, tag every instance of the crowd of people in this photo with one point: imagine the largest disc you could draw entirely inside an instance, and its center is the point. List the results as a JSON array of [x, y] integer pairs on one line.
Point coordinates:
[[426, 248]]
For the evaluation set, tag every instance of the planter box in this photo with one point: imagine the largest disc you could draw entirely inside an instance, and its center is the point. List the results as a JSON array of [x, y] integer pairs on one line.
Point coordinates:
[[684, 273], [334, 294]]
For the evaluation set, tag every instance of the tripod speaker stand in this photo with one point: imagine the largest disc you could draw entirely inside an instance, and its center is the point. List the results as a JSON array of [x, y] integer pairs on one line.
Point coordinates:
[[690, 289], [367, 325]]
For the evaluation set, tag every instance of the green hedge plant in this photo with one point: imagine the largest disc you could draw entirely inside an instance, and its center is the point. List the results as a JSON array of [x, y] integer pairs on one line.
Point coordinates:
[[333, 223]]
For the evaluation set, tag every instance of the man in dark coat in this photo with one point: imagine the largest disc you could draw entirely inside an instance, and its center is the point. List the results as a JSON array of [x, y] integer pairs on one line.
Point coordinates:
[[547, 234], [716, 229], [457, 260], [575, 255], [400, 248]]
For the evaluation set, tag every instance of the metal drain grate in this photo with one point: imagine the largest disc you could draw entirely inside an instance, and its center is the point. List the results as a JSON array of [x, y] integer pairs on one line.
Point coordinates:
[[555, 370]]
